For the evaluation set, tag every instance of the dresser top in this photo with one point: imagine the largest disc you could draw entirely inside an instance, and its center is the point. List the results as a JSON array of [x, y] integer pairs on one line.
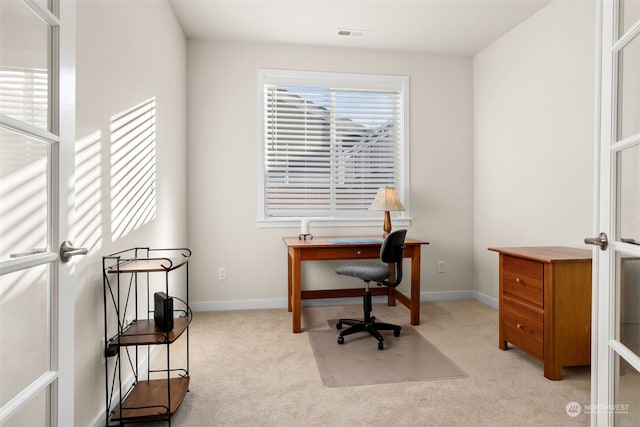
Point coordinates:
[[546, 253]]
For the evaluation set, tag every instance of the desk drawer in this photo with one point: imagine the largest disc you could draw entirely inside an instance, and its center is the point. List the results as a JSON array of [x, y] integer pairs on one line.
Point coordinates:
[[523, 279], [332, 253], [523, 326]]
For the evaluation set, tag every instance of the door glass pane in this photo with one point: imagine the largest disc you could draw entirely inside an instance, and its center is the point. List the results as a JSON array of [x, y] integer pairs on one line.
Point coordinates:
[[628, 182], [23, 195], [628, 95], [626, 408], [629, 300], [24, 329], [24, 64], [629, 14], [36, 413]]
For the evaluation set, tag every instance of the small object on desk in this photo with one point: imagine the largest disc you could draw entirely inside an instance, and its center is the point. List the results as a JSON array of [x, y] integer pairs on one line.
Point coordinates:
[[304, 230]]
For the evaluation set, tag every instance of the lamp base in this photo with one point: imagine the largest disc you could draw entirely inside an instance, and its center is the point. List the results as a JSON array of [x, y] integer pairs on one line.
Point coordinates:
[[304, 236], [387, 224]]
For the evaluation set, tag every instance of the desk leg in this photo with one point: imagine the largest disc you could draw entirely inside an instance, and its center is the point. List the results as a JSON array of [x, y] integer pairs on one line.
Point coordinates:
[[289, 278], [295, 289], [415, 286]]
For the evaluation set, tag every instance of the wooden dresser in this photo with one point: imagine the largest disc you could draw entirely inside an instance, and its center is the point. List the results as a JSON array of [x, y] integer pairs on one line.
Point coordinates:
[[545, 304]]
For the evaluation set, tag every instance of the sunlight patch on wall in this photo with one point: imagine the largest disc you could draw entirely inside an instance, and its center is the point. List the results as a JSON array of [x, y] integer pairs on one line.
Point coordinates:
[[87, 230], [133, 168]]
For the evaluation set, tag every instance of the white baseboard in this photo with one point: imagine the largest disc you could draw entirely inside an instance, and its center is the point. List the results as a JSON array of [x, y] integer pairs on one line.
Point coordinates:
[[255, 304], [486, 300], [247, 304]]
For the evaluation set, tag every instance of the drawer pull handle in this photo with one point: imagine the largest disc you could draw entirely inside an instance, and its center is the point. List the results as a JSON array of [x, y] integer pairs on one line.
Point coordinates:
[[520, 326], [519, 280], [359, 252]]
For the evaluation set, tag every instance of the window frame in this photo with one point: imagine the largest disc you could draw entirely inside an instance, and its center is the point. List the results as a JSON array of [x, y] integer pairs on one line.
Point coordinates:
[[332, 79]]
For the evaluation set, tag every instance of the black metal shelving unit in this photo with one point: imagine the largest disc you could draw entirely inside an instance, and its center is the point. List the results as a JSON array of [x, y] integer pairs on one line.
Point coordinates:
[[136, 392]]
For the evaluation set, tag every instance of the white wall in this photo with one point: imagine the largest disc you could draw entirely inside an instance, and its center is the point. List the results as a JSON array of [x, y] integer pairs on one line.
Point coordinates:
[[127, 52], [223, 150], [533, 136]]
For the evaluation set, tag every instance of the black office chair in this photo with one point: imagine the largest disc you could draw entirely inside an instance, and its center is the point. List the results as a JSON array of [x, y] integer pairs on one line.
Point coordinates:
[[392, 251]]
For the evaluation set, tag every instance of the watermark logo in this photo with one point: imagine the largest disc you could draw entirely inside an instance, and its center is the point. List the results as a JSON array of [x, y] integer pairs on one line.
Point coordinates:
[[573, 409], [614, 408]]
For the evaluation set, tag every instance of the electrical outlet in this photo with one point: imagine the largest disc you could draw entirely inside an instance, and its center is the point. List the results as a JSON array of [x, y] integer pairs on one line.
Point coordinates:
[[440, 266], [222, 273]]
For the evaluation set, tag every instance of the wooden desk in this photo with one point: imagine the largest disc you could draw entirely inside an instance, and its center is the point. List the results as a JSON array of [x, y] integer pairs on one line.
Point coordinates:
[[337, 248]]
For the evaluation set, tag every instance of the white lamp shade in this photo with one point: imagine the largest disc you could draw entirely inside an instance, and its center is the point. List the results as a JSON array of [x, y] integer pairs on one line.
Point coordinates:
[[387, 200]]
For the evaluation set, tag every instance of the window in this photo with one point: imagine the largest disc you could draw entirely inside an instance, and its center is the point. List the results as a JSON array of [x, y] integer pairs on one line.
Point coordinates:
[[329, 141]]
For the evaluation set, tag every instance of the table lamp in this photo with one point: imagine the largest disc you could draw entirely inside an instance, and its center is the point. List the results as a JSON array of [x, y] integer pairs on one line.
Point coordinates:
[[387, 200]]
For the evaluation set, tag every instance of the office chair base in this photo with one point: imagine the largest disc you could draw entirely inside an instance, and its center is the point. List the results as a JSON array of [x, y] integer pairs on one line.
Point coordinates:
[[363, 326]]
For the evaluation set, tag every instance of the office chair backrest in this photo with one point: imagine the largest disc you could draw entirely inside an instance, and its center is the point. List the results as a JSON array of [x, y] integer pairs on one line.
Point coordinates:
[[392, 251]]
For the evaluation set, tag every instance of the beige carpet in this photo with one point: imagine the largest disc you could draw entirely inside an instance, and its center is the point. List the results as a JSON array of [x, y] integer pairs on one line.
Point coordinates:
[[409, 357], [248, 369]]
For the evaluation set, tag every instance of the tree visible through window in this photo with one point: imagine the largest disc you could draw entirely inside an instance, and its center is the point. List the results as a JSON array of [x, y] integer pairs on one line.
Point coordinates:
[[330, 141]]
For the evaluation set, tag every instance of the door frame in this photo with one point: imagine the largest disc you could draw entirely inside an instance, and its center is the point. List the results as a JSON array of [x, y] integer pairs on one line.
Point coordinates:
[[65, 299], [605, 309]]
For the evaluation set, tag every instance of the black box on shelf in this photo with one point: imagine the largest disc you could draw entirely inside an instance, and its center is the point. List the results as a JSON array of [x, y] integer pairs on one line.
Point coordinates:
[[163, 311]]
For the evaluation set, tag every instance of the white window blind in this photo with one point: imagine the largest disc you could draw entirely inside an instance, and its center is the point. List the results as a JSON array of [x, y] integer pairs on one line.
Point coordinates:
[[328, 148]]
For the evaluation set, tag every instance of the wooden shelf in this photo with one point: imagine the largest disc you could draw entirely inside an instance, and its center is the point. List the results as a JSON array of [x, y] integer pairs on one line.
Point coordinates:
[[147, 265], [148, 400], [145, 332]]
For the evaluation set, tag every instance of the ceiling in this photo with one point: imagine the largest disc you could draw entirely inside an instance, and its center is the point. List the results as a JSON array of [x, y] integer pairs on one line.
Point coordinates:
[[461, 27]]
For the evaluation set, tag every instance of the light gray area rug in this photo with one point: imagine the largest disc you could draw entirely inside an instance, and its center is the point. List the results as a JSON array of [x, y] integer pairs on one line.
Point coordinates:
[[409, 357]]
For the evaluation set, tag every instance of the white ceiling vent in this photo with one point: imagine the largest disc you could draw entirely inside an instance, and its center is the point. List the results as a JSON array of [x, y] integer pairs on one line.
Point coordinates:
[[351, 33]]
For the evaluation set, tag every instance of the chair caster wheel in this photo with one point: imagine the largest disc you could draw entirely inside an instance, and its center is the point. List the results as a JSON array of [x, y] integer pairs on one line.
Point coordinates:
[[339, 325], [396, 333], [340, 340], [380, 345]]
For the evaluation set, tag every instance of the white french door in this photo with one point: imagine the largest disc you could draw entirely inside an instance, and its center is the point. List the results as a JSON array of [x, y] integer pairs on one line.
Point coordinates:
[[37, 120], [616, 320]]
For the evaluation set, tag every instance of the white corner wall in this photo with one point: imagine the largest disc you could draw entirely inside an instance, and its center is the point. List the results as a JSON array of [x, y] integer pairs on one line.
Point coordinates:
[[533, 136], [127, 52], [223, 181]]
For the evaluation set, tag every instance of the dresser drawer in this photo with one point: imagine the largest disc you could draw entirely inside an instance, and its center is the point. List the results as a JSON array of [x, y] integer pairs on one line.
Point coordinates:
[[523, 326], [523, 279]]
